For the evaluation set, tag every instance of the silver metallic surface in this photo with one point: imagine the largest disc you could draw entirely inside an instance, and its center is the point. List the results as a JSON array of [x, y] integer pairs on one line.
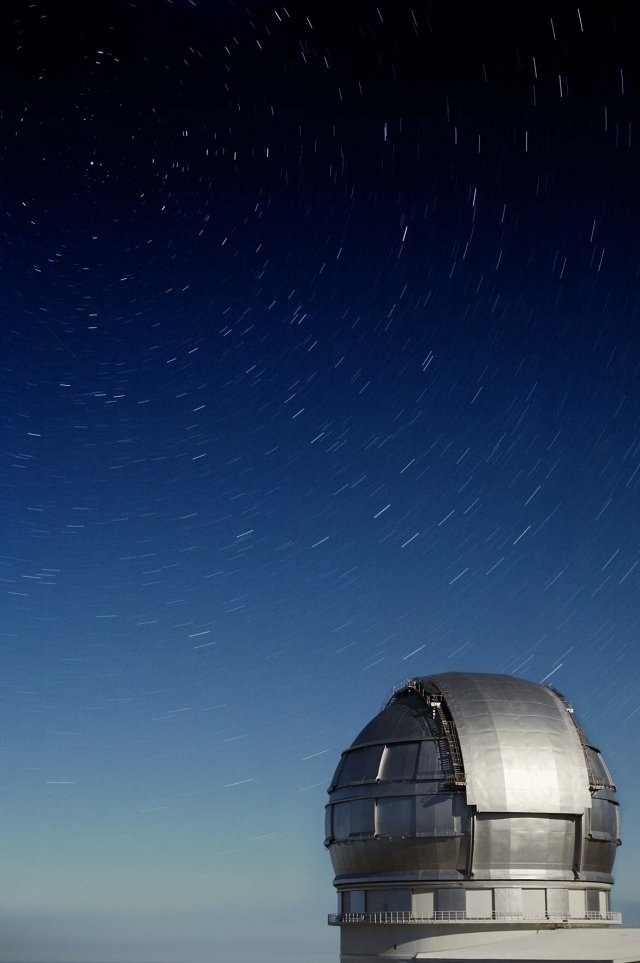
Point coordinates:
[[520, 748], [473, 777]]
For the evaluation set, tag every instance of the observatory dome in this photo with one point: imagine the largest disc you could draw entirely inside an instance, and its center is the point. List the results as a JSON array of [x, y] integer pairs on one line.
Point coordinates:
[[473, 794]]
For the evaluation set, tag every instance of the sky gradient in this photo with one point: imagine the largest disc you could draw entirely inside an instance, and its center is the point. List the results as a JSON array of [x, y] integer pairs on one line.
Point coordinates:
[[320, 360]]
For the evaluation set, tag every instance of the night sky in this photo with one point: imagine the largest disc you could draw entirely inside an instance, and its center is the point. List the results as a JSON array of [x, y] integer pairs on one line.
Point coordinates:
[[320, 360]]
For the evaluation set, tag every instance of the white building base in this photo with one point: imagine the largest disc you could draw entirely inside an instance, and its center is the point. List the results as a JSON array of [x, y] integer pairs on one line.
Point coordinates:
[[407, 943]]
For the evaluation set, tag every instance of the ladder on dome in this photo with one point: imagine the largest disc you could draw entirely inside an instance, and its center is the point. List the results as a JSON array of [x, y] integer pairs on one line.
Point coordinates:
[[434, 701], [595, 782], [453, 745]]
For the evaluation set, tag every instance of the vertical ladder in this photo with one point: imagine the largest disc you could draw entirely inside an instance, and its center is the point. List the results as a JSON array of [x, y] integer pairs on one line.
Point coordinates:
[[435, 701]]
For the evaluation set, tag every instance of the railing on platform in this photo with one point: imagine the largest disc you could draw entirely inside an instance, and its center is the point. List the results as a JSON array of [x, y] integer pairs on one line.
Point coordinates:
[[459, 916]]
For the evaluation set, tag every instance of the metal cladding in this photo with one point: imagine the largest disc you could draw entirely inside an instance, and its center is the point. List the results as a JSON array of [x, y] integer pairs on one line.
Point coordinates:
[[472, 777], [521, 749]]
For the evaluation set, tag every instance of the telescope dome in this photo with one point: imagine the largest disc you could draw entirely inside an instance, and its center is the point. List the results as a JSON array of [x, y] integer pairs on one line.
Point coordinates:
[[478, 792]]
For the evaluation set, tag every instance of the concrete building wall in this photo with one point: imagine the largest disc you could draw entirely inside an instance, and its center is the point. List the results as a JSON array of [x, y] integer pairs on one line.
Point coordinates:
[[508, 900], [533, 902], [480, 903], [422, 904], [404, 944], [577, 904], [558, 902], [388, 901]]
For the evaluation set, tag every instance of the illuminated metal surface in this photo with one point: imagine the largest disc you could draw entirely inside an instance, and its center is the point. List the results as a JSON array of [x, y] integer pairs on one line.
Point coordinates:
[[520, 748], [475, 777]]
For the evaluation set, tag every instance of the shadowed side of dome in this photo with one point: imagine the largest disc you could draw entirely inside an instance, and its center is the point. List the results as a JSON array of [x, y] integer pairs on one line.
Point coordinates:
[[395, 810]]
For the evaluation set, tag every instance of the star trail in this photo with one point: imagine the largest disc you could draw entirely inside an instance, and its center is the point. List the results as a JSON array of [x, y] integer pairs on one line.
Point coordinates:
[[320, 363]]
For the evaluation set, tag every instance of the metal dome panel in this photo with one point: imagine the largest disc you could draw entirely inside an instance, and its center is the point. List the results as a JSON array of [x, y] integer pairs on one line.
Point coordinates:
[[520, 748]]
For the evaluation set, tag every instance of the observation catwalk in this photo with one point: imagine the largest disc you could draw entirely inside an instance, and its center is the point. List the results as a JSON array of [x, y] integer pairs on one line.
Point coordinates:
[[473, 819]]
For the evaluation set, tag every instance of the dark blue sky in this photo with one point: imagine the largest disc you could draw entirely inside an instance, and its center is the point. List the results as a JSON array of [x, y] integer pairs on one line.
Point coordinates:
[[319, 370]]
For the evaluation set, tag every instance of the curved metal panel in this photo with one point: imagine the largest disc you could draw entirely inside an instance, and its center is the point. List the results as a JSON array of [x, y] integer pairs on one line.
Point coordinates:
[[395, 816], [441, 815], [354, 819], [430, 761], [603, 823], [400, 858], [524, 847], [359, 766], [400, 761], [395, 724], [599, 771], [520, 748]]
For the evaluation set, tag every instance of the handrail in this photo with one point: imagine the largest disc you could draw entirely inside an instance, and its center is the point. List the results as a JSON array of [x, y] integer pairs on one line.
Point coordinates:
[[435, 701], [460, 916]]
